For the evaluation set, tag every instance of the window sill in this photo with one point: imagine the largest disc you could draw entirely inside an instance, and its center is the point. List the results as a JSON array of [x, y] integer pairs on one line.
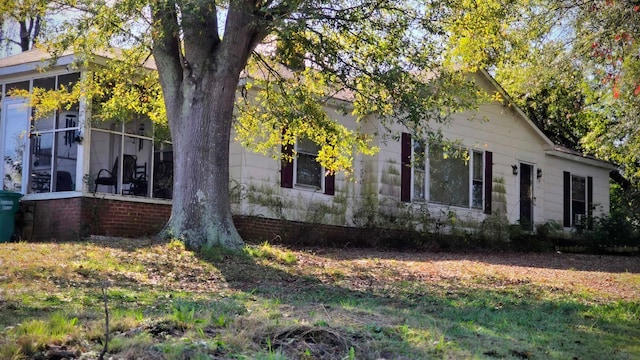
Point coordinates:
[[440, 205], [307, 187]]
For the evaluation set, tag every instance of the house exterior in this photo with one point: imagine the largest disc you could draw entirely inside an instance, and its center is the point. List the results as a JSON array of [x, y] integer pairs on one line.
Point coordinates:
[[112, 178]]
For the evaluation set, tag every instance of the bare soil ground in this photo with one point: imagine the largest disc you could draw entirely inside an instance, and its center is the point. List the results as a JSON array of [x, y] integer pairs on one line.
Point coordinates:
[[602, 273], [609, 276]]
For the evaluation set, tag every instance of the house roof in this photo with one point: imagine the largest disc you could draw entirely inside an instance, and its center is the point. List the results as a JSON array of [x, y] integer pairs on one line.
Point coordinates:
[[31, 60], [517, 108], [286, 73], [567, 153], [34, 55], [37, 59]]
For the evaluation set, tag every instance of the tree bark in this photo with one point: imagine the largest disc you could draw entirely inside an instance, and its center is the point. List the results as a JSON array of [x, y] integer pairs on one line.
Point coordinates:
[[199, 76], [201, 212]]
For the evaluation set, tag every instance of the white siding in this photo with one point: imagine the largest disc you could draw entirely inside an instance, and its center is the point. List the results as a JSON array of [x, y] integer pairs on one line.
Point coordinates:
[[500, 128]]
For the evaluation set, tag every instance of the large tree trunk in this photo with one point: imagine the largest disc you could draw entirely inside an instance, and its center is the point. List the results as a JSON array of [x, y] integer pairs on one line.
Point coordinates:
[[199, 76], [201, 212]]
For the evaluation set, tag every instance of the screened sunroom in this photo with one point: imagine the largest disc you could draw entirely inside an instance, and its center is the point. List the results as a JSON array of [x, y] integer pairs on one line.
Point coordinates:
[[70, 155]]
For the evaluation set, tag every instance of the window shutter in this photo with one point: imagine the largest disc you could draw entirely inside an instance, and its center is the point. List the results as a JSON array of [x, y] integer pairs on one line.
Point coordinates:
[[590, 203], [330, 184], [405, 171], [286, 167], [488, 180], [567, 199]]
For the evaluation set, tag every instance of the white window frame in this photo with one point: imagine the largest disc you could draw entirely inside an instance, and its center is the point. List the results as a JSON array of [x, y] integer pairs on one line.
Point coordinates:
[[54, 133], [427, 176], [27, 166]]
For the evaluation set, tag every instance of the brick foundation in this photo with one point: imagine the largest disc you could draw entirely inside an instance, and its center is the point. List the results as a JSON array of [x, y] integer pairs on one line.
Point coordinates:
[[76, 218], [258, 229]]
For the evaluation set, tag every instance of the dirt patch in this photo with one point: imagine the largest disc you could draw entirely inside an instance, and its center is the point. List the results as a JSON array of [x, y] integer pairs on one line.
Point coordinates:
[[608, 275], [315, 342]]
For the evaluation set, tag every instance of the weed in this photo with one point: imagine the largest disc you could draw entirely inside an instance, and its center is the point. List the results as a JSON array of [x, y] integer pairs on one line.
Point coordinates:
[[176, 245], [268, 252], [213, 253], [137, 343], [352, 354], [184, 314], [221, 321], [336, 274], [33, 335], [271, 354], [12, 352]]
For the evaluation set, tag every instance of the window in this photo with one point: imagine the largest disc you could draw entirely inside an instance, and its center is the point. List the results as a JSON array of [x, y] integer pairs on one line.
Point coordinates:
[[14, 125], [54, 153], [578, 194], [125, 160], [40, 156], [448, 175], [54, 147], [578, 199], [477, 180], [305, 171], [308, 171]]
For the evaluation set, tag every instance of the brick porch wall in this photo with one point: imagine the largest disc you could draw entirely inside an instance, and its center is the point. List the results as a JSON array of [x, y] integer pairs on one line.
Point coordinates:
[[50, 219], [75, 218]]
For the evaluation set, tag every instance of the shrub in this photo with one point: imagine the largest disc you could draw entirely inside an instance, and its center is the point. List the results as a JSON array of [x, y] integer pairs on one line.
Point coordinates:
[[615, 229]]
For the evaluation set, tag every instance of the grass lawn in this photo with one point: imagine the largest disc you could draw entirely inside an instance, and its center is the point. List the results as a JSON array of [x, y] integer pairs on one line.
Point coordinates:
[[269, 302]]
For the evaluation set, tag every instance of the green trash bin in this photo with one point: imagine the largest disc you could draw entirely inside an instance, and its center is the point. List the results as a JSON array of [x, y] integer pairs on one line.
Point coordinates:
[[9, 202]]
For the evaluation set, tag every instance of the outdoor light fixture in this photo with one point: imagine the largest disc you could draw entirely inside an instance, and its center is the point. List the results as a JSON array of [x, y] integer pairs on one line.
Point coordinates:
[[515, 169], [78, 137], [539, 173]]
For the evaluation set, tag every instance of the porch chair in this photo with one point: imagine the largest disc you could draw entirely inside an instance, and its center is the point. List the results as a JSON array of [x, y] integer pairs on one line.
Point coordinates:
[[139, 184], [64, 182], [163, 180], [128, 173]]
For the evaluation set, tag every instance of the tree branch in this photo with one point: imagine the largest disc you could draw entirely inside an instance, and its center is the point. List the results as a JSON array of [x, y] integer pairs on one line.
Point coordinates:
[[167, 52], [199, 25]]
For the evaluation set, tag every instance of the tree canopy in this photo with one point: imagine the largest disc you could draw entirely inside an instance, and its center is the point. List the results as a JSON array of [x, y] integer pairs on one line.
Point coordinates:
[[22, 22], [385, 58], [573, 66]]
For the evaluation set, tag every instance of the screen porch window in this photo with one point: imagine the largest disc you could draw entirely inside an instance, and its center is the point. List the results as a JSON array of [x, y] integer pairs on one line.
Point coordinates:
[[40, 155], [54, 146], [125, 160], [448, 175], [54, 153]]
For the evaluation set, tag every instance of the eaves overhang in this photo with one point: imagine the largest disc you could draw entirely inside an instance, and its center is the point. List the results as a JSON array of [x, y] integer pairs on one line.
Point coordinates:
[[34, 66], [587, 160]]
